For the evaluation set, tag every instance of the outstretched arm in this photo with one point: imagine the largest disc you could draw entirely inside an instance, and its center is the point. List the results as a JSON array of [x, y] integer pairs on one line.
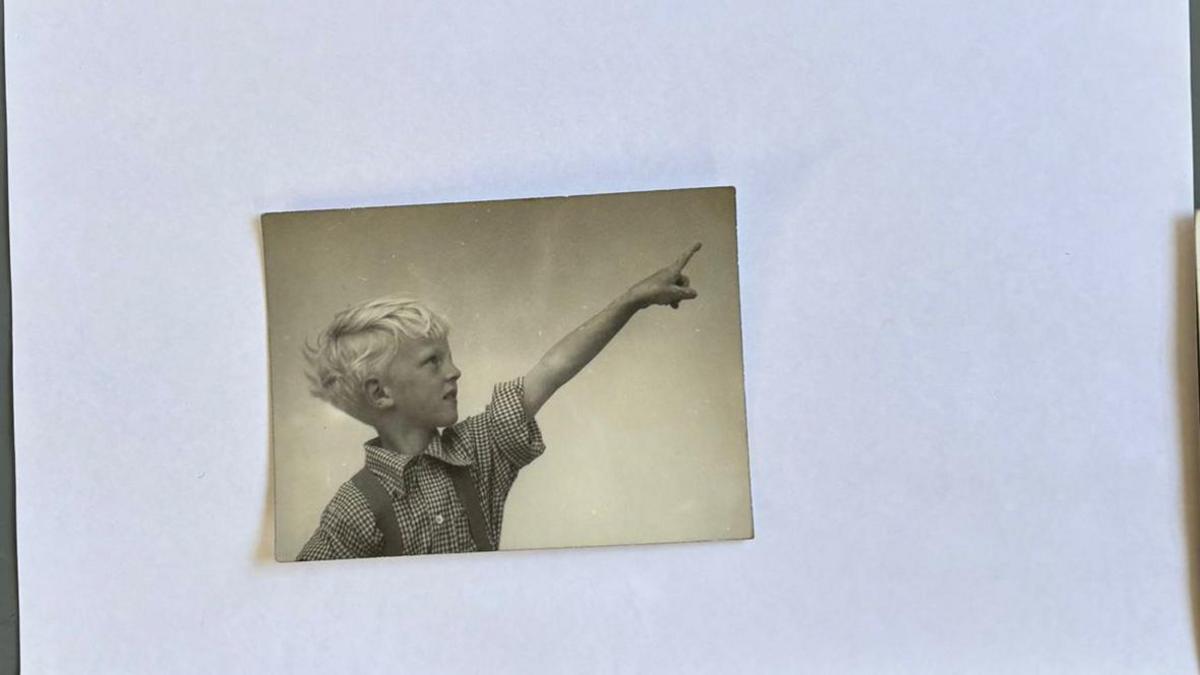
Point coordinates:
[[667, 286]]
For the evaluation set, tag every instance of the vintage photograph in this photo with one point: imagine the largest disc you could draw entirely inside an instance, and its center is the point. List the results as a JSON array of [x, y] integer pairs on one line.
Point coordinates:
[[530, 373]]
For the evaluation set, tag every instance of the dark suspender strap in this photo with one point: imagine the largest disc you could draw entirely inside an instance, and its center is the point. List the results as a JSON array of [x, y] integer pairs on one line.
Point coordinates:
[[468, 494], [381, 506]]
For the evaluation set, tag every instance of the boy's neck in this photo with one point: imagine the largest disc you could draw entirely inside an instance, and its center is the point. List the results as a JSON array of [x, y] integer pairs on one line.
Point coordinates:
[[404, 439]]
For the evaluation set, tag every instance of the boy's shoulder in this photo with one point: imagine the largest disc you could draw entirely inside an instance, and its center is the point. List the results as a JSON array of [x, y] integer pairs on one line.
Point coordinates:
[[346, 530], [349, 505]]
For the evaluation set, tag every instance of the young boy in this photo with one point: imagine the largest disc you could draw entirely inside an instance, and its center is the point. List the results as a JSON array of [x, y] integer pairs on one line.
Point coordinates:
[[387, 363]]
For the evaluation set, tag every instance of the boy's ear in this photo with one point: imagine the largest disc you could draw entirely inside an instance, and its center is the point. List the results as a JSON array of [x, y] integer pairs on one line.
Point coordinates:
[[377, 394]]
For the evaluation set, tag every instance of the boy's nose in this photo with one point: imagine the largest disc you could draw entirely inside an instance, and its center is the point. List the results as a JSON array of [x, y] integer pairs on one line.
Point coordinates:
[[455, 373]]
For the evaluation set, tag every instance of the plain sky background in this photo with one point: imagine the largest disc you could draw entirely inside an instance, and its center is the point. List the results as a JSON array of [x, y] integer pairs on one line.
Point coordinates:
[[967, 297], [647, 444]]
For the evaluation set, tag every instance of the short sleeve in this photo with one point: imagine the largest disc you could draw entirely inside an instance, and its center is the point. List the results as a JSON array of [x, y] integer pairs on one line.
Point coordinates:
[[515, 434]]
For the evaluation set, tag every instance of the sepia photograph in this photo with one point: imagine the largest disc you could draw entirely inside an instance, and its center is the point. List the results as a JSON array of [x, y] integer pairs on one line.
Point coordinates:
[[519, 374]]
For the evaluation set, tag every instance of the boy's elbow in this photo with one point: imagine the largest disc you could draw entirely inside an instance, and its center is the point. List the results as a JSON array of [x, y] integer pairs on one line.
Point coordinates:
[[550, 373], [540, 384]]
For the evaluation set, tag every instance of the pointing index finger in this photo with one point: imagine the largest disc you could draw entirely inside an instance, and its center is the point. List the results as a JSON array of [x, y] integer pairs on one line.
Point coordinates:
[[687, 255]]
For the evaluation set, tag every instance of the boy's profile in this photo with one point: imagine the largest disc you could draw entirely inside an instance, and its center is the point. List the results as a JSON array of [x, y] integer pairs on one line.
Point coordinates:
[[387, 362]]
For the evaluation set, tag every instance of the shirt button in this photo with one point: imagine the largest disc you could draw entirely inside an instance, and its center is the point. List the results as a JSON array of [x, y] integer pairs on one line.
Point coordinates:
[[438, 519]]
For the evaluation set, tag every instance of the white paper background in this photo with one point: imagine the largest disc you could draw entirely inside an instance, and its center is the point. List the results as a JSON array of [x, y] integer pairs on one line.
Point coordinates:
[[962, 291]]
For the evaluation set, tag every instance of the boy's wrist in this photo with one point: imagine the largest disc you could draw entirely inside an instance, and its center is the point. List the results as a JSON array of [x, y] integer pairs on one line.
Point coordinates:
[[631, 302]]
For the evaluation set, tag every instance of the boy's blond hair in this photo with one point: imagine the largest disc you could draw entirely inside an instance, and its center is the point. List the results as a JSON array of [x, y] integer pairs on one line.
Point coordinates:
[[359, 344]]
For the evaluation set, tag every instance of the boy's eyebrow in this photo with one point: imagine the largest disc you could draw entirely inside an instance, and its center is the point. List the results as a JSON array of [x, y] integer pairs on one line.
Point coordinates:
[[427, 352]]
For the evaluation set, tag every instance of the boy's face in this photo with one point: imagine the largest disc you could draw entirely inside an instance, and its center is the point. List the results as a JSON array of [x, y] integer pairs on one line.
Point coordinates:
[[422, 382]]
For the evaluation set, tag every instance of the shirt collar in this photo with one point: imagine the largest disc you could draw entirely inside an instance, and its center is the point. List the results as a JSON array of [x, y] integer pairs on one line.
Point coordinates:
[[390, 465]]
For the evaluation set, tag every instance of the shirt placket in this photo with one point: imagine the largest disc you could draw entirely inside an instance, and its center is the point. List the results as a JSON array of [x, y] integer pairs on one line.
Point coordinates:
[[425, 508]]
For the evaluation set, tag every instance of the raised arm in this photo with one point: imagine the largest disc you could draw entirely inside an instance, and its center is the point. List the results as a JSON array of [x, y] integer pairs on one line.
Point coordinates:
[[667, 286]]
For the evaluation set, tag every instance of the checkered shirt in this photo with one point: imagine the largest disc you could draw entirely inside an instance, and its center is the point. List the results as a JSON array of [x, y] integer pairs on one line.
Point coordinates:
[[495, 444]]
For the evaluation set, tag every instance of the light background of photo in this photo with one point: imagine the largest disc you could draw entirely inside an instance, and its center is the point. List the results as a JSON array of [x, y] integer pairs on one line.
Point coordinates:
[[646, 444], [967, 295]]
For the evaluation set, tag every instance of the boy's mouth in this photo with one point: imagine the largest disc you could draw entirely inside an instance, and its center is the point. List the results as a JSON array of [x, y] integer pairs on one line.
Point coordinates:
[[452, 396]]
